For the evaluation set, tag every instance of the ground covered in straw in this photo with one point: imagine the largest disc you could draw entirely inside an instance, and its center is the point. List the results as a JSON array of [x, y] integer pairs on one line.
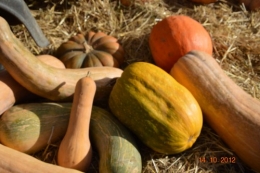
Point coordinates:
[[234, 31]]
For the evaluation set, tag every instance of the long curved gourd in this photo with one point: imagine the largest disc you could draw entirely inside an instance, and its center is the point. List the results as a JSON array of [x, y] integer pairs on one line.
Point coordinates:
[[43, 80], [228, 109], [12, 161], [12, 92]]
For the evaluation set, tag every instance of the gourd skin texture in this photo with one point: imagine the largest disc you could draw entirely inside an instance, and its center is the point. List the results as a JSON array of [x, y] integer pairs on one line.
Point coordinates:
[[115, 144], [228, 109], [175, 36], [51, 60], [46, 81], [29, 127], [12, 92], [162, 113]]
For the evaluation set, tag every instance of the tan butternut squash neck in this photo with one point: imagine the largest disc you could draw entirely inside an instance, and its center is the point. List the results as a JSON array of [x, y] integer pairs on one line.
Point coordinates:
[[241, 101], [13, 161], [41, 79]]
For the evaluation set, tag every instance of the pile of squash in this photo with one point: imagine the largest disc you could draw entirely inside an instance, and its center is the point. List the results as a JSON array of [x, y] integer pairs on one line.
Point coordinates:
[[47, 99]]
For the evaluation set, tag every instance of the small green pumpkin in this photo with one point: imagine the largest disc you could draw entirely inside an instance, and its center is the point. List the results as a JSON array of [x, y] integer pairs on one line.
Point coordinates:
[[93, 49]]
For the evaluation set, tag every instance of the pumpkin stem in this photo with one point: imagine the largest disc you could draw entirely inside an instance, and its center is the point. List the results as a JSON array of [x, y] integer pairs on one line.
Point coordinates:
[[88, 48]]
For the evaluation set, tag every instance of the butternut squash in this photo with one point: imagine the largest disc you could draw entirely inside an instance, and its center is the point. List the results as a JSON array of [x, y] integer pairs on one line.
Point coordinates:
[[75, 150], [46, 81], [12, 161], [12, 92], [227, 108]]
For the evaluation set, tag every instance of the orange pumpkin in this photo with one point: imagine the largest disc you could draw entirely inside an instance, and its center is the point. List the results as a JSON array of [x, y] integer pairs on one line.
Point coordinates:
[[251, 4], [93, 49], [175, 36]]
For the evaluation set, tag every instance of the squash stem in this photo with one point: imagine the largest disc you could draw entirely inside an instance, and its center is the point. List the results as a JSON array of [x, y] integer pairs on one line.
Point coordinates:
[[88, 48]]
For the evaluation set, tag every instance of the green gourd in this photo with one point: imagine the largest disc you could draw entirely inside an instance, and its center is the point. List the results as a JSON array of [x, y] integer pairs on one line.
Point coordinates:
[[115, 144], [30, 127]]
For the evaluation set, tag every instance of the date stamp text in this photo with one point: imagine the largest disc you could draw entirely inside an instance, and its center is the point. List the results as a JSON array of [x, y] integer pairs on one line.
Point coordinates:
[[224, 160]]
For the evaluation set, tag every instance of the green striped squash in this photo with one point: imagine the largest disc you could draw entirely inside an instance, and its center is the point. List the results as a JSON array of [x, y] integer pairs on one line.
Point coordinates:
[[30, 127], [115, 144]]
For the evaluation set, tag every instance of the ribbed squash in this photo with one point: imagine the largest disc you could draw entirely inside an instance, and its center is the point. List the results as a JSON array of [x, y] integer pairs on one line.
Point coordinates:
[[30, 127], [227, 108], [93, 49], [160, 111], [116, 146]]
